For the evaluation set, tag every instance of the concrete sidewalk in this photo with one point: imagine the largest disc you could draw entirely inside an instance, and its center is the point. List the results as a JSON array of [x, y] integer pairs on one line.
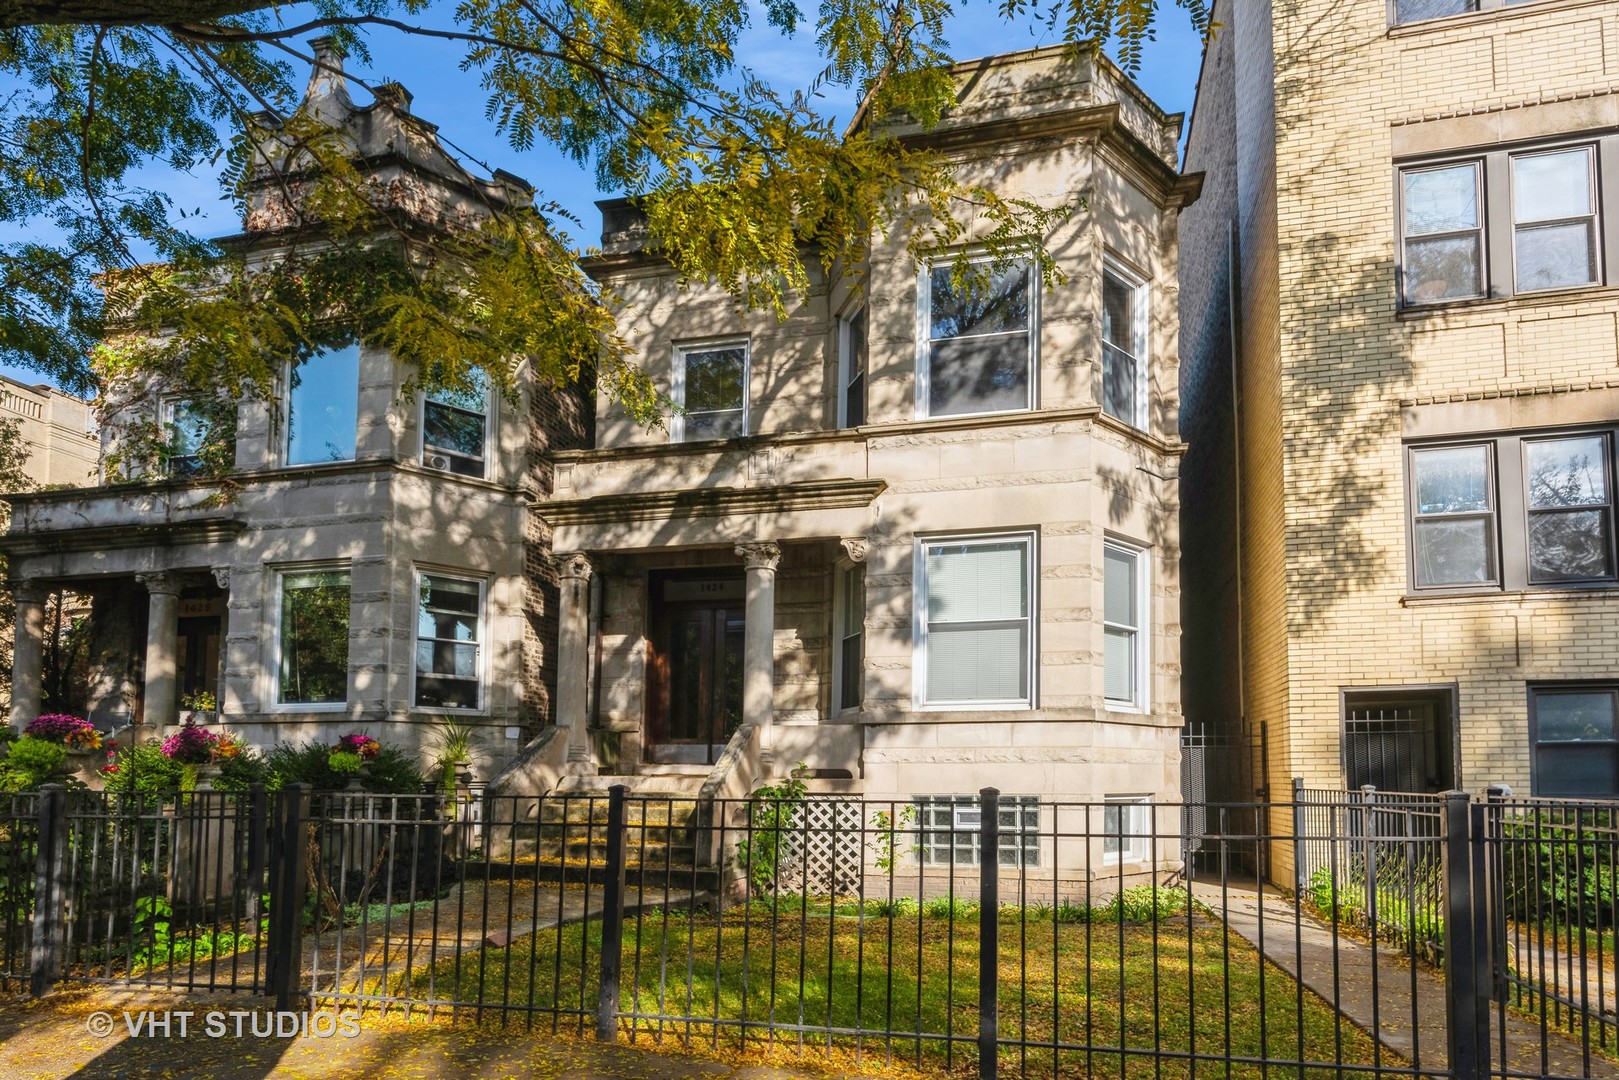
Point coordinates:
[[1382, 993], [51, 1039]]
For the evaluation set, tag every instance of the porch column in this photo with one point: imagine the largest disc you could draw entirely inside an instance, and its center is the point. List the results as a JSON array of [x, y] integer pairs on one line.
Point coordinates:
[[28, 650], [162, 648], [759, 646], [573, 660]]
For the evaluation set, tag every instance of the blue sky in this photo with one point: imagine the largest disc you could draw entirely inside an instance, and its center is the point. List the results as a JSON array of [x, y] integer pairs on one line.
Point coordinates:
[[453, 99]]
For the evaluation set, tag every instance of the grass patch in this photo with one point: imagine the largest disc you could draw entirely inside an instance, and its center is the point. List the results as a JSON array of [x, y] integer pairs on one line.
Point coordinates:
[[1111, 995]]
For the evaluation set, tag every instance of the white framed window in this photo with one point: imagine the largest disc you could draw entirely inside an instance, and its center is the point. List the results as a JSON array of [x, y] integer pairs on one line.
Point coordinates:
[[852, 359], [1126, 829], [1124, 346], [1124, 625], [975, 604], [711, 385], [949, 827], [455, 428], [312, 637], [849, 638], [449, 641], [187, 430], [977, 338], [323, 407]]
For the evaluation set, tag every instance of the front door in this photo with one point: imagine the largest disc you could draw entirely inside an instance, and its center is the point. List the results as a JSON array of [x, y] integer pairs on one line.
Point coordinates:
[[694, 703]]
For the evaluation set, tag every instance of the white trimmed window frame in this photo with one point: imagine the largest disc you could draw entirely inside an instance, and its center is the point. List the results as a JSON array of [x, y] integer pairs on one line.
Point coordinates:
[[924, 336], [920, 699], [428, 452], [1140, 299], [846, 355], [482, 642], [289, 417], [168, 411], [1135, 845], [842, 571], [677, 381], [278, 588], [1141, 700]]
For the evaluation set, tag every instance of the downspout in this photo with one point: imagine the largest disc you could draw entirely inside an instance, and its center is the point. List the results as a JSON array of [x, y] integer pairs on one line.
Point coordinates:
[[1232, 315]]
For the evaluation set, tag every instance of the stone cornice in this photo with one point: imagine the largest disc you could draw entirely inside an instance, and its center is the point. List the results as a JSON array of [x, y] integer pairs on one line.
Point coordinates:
[[641, 451], [108, 537], [838, 494]]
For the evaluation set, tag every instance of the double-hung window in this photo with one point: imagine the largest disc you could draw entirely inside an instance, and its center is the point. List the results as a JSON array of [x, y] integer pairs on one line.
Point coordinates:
[[1573, 740], [1124, 607], [323, 405], [852, 369], [1513, 511], [455, 426], [977, 337], [313, 638], [1124, 347], [711, 387], [449, 637], [1126, 829], [975, 614], [1507, 222], [849, 611], [950, 826]]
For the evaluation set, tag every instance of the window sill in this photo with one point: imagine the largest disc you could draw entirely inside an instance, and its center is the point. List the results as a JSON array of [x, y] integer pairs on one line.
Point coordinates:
[[296, 707], [1504, 13], [1604, 589], [972, 706], [1553, 297]]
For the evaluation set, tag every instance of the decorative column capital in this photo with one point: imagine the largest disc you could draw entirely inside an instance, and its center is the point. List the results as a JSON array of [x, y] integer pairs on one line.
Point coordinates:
[[221, 576], [760, 556], [855, 547], [161, 582], [575, 565], [29, 590]]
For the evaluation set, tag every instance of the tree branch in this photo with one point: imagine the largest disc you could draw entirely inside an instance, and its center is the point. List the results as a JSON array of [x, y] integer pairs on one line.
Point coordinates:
[[15, 13]]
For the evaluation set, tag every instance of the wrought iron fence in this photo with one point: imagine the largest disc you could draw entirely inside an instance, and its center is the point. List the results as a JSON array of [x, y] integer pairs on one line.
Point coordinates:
[[1012, 936], [1373, 859]]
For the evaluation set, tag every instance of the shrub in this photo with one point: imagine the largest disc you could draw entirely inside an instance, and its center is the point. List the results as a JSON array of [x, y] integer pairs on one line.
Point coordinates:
[[770, 816], [1560, 871], [145, 769], [391, 771], [30, 761]]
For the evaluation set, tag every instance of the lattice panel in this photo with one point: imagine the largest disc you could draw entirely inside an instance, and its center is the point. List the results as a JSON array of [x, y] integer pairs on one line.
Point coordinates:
[[824, 855]]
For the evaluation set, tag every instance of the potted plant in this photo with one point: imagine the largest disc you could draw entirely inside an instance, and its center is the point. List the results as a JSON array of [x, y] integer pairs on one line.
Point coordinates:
[[352, 757], [199, 708], [200, 753], [452, 751], [74, 734]]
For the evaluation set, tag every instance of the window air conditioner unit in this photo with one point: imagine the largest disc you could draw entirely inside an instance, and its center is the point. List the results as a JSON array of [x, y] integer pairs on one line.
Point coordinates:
[[436, 461]]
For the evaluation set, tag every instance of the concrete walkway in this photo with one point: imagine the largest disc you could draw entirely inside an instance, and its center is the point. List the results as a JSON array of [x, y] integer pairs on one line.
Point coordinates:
[[1382, 993]]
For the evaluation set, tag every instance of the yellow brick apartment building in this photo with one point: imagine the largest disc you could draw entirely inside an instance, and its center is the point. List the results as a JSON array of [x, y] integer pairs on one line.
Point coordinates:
[[1400, 383]]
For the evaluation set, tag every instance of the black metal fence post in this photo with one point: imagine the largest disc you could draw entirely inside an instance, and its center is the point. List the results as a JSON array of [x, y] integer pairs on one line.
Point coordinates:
[[258, 825], [1368, 820], [50, 890], [289, 859], [607, 997], [989, 927], [1467, 1045], [1494, 841]]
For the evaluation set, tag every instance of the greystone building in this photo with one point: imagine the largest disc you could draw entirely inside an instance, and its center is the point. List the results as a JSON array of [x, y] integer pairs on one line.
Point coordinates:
[[920, 536]]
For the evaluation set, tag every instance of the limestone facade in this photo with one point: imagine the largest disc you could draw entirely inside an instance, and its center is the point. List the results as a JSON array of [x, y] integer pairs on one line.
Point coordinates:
[[60, 431], [363, 539], [1332, 362], [875, 492]]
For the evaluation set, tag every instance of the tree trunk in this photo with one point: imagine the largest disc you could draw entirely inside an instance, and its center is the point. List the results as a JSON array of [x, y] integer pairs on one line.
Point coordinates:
[[14, 13]]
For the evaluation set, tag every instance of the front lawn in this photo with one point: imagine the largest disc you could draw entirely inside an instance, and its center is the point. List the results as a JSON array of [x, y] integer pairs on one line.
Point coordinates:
[[1117, 998]]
